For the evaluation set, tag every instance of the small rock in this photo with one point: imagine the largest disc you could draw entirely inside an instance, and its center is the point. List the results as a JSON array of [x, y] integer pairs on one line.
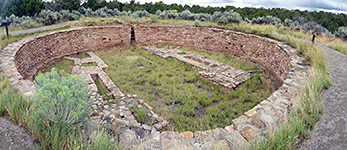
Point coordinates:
[[251, 112], [155, 135], [258, 123], [187, 134], [249, 134], [155, 116], [106, 106], [159, 119], [158, 126], [165, 123], [122, 102], [229, 128], [140, 101]]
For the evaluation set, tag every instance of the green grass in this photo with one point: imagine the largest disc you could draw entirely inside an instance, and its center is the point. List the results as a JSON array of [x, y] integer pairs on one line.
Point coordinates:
[[141, 114], [221, 57], [101, 89], [83, 55], [177, 93], [89, 64], [63, 64]]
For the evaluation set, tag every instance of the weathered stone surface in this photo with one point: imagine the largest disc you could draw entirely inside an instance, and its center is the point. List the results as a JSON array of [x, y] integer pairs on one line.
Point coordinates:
[[229, 128], [251, 112], [187, 134], [220, 145], [249, 134], [236, 141], [241, 120], [258, 123], [204, 136]]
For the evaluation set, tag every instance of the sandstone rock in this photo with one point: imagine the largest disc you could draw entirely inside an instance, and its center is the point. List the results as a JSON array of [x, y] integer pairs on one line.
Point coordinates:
[[241, 120], [236, 141], [249, 134], [229, 128], [127, 139], [164, 123], [187, 134], [251, 112], [221, 144], [158, 126], [95, 117], [169, 139], [258, 123], [119, 123], [106, 106], [155, 135], [160, 119], [204, 136]]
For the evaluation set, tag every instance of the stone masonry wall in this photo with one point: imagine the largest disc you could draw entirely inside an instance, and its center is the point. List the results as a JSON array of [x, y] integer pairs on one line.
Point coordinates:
[[263, 52], [37, 53], [24, 57]]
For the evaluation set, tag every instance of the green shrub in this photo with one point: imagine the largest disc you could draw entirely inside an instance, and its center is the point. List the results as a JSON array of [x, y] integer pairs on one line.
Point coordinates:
[[60, 106], [49, 17], [140, 14], [197, 23], [342, 33], [61, 98]]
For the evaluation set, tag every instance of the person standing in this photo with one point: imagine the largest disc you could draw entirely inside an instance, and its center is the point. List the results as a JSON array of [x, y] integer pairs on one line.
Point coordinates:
[[313, 37]]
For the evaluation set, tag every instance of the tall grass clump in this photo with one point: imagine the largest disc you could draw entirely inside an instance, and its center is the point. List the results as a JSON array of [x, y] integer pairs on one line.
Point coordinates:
[[60, 106], [13, 104]]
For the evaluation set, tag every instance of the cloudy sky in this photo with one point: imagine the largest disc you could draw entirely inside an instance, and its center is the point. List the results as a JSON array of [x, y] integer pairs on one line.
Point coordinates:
[[337, 6]]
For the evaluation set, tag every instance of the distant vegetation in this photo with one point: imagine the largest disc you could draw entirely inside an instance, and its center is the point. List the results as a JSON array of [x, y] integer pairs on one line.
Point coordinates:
[[71, 10]]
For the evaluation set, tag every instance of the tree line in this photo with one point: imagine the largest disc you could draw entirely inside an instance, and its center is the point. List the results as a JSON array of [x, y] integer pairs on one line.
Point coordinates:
[[331, 21]]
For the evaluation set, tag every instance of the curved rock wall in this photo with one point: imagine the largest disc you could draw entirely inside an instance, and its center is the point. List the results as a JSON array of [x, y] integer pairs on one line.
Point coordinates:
[[23, 58], [267, 54], [42, 50]]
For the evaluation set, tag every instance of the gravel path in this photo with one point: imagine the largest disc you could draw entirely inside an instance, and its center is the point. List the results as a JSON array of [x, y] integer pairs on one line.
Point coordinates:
[[43, 28], [14, 137], [330, 132]]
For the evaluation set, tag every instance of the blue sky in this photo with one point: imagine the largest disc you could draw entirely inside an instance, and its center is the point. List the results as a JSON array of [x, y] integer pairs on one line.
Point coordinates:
[[337, 6]]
